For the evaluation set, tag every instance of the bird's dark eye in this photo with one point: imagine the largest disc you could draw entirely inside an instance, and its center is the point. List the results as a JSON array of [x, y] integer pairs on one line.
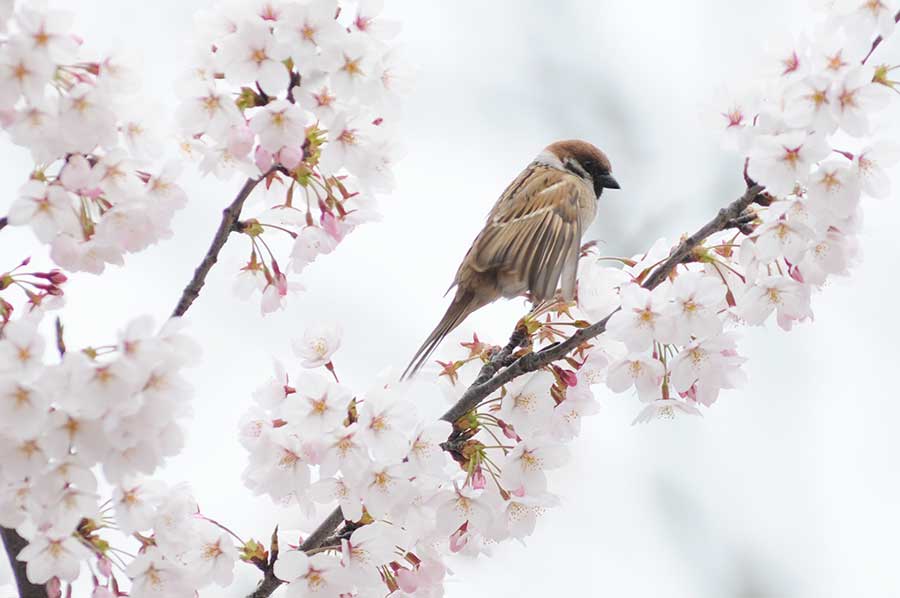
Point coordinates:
[[575, 168]]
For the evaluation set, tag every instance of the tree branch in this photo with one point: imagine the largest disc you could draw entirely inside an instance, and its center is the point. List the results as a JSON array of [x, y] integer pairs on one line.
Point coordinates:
[[533, 361], [3, 222], [230, 216], [14, 543], [495, 373]]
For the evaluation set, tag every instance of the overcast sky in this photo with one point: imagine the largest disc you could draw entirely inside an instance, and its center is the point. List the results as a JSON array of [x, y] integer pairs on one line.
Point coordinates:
[[788, 487]]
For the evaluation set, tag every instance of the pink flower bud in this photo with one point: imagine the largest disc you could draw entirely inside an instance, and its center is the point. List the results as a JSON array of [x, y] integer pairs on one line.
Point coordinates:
[[478, 480], [54, 276], [54, 588], [57, 277], [104, 565], [690, 394], [263, 159], [240, 140], [290, 157], [508, 430], [567, 376], [406, 580], [459, 539], [331, 226]]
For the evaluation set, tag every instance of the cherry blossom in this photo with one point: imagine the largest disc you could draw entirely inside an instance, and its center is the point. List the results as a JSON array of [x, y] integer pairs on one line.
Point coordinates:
[[525, 466], [642, 313], [318, 344]]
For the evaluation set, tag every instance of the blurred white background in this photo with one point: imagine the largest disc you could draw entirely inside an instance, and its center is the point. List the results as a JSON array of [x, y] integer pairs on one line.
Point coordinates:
[[788, 487]]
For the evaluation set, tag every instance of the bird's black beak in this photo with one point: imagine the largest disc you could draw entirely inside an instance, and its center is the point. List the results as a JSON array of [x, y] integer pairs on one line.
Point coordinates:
[[608, 182]]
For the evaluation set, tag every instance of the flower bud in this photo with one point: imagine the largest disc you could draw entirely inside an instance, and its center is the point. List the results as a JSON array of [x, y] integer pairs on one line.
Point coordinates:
[[290, 157], [263, 159]]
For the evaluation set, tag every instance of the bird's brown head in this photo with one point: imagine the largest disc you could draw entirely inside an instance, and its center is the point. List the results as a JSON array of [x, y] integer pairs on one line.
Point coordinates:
[[585, 160]]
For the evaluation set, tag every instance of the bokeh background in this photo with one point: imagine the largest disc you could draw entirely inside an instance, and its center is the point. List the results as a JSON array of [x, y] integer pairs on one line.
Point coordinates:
[[786, 488]]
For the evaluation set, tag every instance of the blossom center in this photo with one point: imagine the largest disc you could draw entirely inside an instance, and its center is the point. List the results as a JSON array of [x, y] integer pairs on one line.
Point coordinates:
[[29, 448], [818, 97], [530, 460], [791, 63], [847, 99], [288, 459], [21, 396], [24, 354], [830, 181], [524, 402], [347, 137], [55, 548], [791, 156], [320, 347], [319, 406], [212, 551], [20, 72], [259, 56], [735, 118], [836, 62], [351, 65]]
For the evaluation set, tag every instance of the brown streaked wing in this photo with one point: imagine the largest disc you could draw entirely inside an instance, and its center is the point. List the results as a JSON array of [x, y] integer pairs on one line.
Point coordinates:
[[534, 231]]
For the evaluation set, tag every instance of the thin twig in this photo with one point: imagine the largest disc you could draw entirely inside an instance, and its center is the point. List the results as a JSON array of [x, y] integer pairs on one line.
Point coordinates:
[[14, 543], [878, 40], [495, 373], [230, 216]]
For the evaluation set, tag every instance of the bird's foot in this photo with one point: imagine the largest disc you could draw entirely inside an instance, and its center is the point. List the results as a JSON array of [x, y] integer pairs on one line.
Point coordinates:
[[745, 222]]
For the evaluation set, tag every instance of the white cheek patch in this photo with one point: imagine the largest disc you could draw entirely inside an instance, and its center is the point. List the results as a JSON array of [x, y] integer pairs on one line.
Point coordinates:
[[549, 159]]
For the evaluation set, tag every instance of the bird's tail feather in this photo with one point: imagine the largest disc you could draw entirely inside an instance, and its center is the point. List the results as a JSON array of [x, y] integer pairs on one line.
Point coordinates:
[[463, 304]]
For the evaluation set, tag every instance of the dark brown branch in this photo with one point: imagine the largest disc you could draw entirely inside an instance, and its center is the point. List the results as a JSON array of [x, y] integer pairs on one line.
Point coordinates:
[[534, 361], [230, 216], [3, 222], [493, 375], [315, 540], [14, 543]]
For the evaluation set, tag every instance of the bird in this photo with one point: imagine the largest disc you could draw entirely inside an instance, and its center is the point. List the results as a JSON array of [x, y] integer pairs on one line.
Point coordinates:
[[532, 236]]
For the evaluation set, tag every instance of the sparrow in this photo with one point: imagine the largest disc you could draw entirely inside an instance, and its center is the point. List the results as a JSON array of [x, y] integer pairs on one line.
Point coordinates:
[[532, 237]]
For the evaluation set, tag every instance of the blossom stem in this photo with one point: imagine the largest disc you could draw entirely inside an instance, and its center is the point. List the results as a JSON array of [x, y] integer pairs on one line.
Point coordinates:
[[223, 528], [330, 367], [494, 436], [282, 229]]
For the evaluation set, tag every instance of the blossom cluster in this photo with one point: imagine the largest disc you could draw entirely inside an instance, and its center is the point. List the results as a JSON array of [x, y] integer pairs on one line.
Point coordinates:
[[304, 94], [97, 190], [98, 417], [388, 467], [811, 140]]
